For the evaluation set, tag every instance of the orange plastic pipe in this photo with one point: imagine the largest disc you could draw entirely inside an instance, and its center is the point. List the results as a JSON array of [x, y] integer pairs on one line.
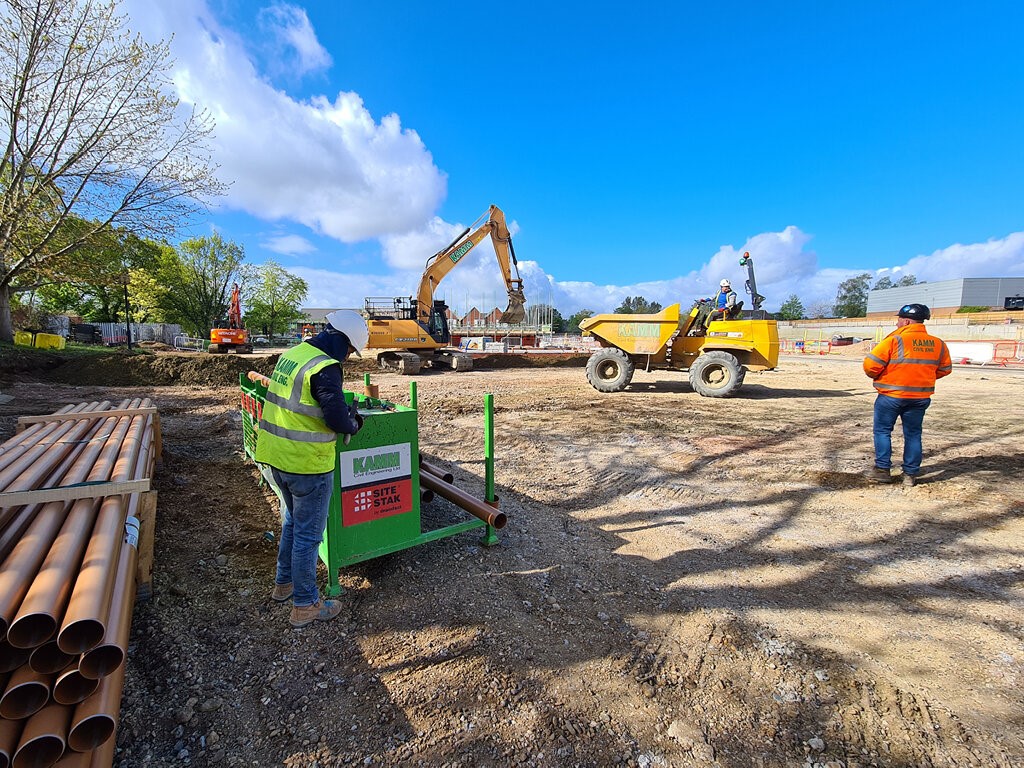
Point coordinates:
[[109, 654], [47, 597], [39, 461], [10, 657], [95, 719], [82, 627], [43, 739], [435, 470], [10, 733], [71, 687], [14, 520], [460, 498], [49, 658], [21, 566], [26, 693], [21, 442]]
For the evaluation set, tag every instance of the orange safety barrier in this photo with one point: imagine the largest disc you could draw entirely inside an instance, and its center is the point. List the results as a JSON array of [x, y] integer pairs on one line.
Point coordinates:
[[1006, 353], [805, 346]]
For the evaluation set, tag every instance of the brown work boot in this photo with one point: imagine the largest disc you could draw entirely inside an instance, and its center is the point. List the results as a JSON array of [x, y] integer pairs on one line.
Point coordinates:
[[282, 592], [909, 481], [878, 475], [325, 610]]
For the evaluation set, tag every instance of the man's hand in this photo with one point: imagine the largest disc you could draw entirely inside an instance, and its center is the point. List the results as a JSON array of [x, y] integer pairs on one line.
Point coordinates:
[[356, 417]]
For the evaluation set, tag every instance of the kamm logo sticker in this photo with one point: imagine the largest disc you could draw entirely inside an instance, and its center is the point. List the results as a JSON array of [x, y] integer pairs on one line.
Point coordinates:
[[461, 251], [638, 330]]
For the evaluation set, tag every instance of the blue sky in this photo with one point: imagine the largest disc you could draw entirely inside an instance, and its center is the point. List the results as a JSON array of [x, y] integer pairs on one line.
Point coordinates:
[[636, 149]]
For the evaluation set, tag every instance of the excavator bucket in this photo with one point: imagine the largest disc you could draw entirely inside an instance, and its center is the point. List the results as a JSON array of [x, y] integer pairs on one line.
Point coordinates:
[[515, 311]]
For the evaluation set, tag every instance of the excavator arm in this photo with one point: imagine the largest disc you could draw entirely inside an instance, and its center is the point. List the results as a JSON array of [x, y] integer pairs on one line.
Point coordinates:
[[445, 260]]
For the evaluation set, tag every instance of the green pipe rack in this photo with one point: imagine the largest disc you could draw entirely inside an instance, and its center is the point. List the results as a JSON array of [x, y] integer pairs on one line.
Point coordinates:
[[375, 504]]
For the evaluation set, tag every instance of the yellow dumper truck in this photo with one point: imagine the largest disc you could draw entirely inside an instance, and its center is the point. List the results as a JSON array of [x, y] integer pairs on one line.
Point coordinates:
[[717, 353]]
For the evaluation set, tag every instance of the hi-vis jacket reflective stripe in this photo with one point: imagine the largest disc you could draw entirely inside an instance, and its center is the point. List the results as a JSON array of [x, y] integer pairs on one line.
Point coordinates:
[[907, 362], [293, 435]]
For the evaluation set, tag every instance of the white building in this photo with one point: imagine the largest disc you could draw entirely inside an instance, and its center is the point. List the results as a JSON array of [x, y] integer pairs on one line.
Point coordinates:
[[946, 296]]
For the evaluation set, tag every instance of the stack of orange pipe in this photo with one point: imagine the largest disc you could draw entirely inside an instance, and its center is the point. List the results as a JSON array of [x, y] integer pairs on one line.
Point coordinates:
[[67, 584]]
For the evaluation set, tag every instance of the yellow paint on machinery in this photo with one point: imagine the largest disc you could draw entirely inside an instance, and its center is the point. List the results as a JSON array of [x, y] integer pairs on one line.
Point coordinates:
[[717, 354]]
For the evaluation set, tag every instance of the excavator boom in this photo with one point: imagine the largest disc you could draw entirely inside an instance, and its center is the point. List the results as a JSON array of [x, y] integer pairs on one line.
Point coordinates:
[[444, 261]]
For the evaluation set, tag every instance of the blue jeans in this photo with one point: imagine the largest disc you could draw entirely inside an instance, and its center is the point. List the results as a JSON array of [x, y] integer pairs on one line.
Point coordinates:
[[307, 499], [910, 411]]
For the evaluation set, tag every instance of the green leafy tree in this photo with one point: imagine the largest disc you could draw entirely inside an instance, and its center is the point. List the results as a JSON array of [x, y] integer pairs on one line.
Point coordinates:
[[197, 278], [882, 283], [572, 325], [90, 135], [852, 297], [792, 308], [147, 296], [273, 297], [906, 280], [638, 305], [90, 281]]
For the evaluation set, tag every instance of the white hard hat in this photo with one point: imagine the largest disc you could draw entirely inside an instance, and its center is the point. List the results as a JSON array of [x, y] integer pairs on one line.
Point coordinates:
[[352, 324], [725, 284]]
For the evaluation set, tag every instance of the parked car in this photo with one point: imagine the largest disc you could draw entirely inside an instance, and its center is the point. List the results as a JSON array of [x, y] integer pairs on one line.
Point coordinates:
[[260, 340]]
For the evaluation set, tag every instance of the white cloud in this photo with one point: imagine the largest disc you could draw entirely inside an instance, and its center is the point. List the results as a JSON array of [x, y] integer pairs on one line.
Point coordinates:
[[288, 245], [328, 164], [325, 163], [411, 250], [783, 266], [297, 50], [993, 258]]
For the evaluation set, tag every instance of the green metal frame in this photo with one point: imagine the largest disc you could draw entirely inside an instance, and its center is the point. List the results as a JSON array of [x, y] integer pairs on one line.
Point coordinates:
[[389, 427]]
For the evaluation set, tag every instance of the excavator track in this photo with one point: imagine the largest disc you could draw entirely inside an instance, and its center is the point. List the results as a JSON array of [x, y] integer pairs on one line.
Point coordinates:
[[456, 361], [405, 363]]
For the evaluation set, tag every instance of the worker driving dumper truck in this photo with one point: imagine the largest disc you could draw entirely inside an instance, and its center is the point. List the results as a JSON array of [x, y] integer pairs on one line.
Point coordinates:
[[713, 342]]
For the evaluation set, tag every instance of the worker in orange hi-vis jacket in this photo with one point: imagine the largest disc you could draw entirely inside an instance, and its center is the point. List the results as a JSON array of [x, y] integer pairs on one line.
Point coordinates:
[[905, 366]]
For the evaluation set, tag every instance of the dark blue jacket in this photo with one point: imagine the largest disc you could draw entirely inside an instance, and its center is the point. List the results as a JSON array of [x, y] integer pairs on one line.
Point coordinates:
[[325, 385]]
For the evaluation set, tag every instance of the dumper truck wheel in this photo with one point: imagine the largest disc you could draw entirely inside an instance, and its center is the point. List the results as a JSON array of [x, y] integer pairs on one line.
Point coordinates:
[[716, 374], [609, 370]]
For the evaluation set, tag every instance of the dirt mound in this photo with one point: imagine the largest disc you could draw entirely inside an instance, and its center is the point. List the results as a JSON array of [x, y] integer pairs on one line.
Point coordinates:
[[857, 349], [159, 370], [19, 360], [156, 346], [131, 369]]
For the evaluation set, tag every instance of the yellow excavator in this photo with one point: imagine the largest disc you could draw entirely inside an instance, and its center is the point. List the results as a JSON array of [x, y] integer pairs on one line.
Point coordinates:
[[413, 332]]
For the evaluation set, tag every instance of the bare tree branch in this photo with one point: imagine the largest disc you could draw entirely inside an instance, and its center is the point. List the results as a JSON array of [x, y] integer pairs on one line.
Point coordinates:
[[92, 133]]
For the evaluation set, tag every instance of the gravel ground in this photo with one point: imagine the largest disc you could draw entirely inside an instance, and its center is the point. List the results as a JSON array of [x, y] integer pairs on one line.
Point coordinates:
[[683, 582]]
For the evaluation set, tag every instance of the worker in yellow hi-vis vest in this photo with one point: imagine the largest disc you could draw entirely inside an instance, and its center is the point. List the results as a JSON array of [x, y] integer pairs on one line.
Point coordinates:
[[304, 412]]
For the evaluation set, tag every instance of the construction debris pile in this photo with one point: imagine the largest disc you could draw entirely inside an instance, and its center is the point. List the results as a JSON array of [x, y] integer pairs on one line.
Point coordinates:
[[72, 488]]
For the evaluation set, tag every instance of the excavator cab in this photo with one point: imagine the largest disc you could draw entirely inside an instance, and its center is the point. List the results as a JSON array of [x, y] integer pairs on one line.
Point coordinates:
[[438, 325]]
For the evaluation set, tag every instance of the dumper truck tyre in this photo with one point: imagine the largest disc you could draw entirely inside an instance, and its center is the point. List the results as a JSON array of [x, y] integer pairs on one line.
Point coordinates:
[[716, 374], [609, 370]]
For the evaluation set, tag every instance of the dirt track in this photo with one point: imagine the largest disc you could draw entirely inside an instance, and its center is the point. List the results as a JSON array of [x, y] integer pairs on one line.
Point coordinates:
[[683, 581]]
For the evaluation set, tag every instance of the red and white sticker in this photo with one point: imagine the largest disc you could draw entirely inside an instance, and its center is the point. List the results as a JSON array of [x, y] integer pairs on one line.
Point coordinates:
[[375, 483]]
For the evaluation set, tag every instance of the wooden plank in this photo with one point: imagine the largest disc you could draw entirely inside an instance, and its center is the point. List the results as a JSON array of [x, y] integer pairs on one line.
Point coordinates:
[[147, 541], [158, 441], [73, 492], [24, 421]]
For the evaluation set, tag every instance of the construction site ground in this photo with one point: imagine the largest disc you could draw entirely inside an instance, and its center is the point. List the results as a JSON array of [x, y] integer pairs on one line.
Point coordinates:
[[683, 581]]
